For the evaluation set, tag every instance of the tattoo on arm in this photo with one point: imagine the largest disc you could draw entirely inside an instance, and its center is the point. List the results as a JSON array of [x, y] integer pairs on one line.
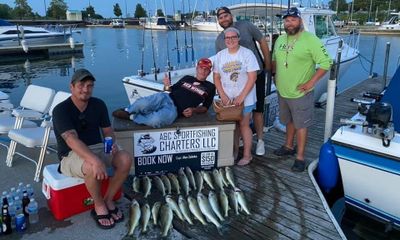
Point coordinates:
[[67, 134]]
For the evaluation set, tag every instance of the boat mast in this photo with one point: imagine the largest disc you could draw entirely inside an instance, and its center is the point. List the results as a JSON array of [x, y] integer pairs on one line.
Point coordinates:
[[369, 12], [191, 34], [178, 57], [184, 30]]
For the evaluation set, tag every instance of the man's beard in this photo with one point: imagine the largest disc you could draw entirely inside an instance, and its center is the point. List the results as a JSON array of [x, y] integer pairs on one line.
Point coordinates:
[[293, 31]]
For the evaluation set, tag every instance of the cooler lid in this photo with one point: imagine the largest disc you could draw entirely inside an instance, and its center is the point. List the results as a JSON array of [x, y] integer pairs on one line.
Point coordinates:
[[58, 181]]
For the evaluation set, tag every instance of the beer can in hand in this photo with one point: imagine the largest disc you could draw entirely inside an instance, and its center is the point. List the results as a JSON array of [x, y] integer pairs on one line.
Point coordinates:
[[108, 142]]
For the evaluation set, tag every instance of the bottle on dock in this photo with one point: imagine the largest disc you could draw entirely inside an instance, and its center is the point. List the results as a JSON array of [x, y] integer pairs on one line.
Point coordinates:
[[29, 189], [25, 202], [6, 222], [33, 211], [13, 212]]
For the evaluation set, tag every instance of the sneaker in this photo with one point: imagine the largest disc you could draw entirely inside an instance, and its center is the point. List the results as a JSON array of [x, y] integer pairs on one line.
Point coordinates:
[[298, 166], [284, 151], [260, 149]]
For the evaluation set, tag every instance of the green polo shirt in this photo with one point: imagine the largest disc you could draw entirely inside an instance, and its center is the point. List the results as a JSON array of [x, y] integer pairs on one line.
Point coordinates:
[[302, 55]]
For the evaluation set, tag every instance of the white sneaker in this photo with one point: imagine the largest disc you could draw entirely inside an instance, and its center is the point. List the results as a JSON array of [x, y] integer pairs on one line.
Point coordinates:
[[260, 149]]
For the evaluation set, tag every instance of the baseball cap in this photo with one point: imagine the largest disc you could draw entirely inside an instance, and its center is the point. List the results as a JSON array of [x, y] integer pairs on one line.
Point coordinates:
[[232, 29], [205, 63], [292, 12], [82, 74], [223, 10]]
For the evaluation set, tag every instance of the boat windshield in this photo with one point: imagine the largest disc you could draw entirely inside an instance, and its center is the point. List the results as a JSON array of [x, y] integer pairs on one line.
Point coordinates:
[[323, 26]]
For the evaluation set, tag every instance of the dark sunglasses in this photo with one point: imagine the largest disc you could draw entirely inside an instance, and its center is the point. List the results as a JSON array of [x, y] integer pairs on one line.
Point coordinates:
[[82, 121]]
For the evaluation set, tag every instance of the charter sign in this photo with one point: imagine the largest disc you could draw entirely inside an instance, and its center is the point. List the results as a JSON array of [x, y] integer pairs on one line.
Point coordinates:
[[167, 151]]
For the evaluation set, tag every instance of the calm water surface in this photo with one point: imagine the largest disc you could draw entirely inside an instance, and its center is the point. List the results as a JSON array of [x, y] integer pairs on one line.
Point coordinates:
[[111, 54]]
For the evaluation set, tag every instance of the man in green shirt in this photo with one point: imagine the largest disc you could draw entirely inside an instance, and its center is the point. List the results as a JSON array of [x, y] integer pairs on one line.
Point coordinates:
[[299, 60]]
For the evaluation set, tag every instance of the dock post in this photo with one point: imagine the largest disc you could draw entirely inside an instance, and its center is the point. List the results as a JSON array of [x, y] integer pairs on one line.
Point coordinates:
[[371, 75], [385, 67]]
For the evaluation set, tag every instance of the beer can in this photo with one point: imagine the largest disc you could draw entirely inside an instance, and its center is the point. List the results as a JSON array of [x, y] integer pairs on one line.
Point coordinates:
[[20, 222], [108, 142]]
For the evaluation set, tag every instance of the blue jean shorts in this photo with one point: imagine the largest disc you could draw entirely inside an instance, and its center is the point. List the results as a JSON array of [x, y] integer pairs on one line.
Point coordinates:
[[248, 109]]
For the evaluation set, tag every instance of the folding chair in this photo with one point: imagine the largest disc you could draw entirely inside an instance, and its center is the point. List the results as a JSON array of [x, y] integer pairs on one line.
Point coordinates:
[[40, 137], [34, 105]]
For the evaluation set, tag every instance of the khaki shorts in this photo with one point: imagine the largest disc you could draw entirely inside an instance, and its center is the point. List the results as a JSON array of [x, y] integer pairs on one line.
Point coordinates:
[[300, 111], [71, 165]]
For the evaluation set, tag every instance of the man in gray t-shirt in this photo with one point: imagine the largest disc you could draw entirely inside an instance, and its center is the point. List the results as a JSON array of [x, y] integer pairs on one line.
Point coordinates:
[[249, 35]]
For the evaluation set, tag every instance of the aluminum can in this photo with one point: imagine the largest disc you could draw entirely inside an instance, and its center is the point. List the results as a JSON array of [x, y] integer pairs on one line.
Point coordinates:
[[20, 222], [108, 142]]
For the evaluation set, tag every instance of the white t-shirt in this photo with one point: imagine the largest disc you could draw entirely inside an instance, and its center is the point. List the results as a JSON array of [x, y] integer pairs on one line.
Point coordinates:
[[233, 69]]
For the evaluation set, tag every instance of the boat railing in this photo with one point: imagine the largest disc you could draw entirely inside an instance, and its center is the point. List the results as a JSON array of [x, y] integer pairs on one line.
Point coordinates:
[[60, 27], [351, 40]]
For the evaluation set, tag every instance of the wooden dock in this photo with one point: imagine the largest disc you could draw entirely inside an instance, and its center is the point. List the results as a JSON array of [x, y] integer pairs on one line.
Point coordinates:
[[15, 53], [284, 204]]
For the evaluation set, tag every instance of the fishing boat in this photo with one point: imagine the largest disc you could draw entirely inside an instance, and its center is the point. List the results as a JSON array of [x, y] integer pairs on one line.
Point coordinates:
[[117, 23], [392, 24], [367, 151], [209, 24], [316, 20], [158, 23], [11, 35]]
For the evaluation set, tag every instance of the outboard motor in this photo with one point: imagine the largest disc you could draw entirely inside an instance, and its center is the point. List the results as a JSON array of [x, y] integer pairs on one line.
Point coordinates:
[[379, 122]]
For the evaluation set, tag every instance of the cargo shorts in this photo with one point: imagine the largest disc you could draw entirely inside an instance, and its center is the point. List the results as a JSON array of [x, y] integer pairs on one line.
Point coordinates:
[[71, 165], [300, 111]]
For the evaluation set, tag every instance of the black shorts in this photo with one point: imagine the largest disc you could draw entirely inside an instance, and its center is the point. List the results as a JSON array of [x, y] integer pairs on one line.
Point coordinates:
[[260, 92]]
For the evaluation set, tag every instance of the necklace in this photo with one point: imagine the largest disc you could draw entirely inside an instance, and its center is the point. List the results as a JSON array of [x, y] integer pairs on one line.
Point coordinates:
[[289, 48]]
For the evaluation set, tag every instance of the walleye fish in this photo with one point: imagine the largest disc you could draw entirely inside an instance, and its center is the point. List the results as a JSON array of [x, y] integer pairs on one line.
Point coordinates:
[[213, 200], [166, 217], [199, 181], [229, 176], [159, 184], [233, 201], [184, 207], [184, 181], [174, 183], [208, 179], [195, 210], [242, 201], [223, 177], [223, 200], [134, 217], [174, 206], [144, 220], [217, 179], [146, 186], [154, 212], [206, 209], [136, 184], [190, 176], [167, 184]]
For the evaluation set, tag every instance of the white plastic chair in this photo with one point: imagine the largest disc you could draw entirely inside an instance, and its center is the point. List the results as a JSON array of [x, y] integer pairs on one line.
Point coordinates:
[[34, 105], [40, 137]]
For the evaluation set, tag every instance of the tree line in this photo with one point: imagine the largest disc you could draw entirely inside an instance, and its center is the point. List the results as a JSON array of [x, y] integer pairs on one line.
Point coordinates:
[[57, 10]]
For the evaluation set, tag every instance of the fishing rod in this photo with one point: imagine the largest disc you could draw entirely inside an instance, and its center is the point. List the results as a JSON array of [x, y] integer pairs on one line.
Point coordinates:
[[156, 71], [186, 46], [141, 71], [191, 34], [178, 57], [169, 67]]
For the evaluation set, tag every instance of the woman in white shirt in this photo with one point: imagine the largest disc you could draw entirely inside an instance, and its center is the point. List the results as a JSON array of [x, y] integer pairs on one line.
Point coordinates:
[[235, 72]]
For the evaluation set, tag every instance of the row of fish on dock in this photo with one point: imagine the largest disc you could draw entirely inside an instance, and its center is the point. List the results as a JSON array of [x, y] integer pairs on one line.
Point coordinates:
[[182, 196]]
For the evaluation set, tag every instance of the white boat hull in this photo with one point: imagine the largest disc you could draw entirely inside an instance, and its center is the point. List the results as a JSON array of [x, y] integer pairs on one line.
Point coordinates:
[[208, 26], [370, 173]]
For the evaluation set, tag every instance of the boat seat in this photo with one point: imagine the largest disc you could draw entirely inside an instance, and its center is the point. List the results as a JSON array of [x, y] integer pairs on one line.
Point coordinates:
[[38, 137]]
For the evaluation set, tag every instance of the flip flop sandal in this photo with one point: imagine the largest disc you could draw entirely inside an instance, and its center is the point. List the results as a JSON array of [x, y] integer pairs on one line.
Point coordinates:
[[244, 162], [115, 212], [97, 219]]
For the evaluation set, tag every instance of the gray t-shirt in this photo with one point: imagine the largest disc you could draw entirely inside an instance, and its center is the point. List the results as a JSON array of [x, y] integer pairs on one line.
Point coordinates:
[[249, 34]]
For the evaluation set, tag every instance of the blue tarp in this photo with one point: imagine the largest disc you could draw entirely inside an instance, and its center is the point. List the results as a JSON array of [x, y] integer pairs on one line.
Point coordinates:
[[5, 23], [392, 96]]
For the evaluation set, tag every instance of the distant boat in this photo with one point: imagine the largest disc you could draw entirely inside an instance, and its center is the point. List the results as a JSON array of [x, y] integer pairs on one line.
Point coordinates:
[[209, 24], [117, 23], [393, 23], [158, 23], [11, 35]]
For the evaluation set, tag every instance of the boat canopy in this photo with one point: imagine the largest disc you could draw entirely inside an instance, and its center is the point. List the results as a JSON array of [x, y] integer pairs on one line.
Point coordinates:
[[392, 96]]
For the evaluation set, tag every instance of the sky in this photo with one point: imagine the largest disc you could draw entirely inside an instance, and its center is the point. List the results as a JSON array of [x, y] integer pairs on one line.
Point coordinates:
[[105, 7]]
